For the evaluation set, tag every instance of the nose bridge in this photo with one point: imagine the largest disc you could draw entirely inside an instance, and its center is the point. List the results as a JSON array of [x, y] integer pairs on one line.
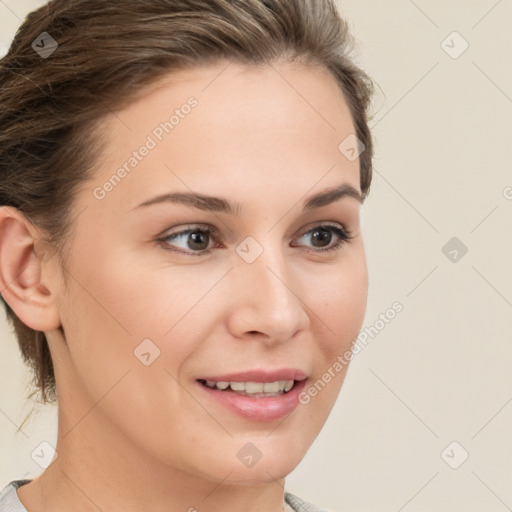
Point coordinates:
[[267, 298]]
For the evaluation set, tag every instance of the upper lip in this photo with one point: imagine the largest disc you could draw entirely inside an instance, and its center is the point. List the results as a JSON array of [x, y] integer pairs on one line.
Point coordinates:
[[259, 376]]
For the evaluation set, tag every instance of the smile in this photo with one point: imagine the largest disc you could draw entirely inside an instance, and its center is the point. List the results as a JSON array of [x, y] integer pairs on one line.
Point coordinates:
[[256, 395], [256, 389]]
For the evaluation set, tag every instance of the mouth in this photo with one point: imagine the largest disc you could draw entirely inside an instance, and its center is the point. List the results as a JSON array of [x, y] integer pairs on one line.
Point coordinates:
[[256, 395], [251, 388]]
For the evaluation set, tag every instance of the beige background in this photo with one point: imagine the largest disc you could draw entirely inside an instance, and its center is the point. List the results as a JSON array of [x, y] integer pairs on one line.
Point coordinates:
[[440, 371]]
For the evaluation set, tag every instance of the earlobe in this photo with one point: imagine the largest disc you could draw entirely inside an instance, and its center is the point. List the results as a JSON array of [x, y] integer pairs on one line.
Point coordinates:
[[22, 280]]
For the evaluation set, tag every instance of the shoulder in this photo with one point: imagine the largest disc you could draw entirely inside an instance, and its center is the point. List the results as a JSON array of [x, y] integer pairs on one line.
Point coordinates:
[[299, 505], [9, 501]]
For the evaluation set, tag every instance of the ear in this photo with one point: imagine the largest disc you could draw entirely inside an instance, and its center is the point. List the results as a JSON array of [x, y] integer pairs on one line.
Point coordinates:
[[24, 284]]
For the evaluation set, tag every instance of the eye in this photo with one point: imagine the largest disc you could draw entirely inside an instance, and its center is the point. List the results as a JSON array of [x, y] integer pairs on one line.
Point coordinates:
[[322, 236], [195, 239]]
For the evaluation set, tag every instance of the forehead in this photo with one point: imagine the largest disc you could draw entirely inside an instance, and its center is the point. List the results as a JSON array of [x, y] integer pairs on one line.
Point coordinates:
[[212, 126]]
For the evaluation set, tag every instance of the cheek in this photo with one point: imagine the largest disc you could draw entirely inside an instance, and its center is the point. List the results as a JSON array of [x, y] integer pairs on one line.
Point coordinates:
[[341, 304], [116, 317], [134, 300], [121, 365]]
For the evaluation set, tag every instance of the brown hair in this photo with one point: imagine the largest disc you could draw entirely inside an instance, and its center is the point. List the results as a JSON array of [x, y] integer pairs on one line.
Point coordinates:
[[107, 53]]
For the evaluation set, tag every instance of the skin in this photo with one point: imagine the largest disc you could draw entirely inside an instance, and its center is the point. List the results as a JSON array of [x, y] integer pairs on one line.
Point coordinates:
[[133, 437]]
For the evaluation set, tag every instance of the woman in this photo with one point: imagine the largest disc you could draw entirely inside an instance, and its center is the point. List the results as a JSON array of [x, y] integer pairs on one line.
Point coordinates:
[[180, 249]]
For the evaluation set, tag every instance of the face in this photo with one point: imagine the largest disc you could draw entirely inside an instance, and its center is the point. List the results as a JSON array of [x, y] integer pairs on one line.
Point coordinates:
[[260, 287]]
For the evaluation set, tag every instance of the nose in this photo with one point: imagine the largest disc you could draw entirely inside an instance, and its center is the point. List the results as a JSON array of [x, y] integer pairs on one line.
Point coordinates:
[[268, 299]]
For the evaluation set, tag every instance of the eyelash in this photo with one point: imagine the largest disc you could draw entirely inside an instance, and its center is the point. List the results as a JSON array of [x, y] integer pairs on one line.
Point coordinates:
[[344, 234]]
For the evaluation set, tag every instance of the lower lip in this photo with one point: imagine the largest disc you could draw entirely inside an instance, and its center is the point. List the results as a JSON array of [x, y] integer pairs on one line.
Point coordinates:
[[266, 408]]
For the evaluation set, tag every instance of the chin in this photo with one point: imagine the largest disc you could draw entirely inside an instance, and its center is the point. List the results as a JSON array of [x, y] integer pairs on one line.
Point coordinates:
[[261, 473], [260, 460]]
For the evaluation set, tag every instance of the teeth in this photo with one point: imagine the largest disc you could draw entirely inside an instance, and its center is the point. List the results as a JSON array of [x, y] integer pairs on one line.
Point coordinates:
[[288, 385], [271, 387], [251, 387], [277, 387]]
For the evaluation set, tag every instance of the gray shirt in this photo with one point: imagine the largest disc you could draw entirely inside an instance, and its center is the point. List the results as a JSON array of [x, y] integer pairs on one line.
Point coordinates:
[[9, 501]]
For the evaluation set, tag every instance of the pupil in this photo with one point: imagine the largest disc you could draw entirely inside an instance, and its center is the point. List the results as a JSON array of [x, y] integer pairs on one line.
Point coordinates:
[[198, 237], [322, 235]]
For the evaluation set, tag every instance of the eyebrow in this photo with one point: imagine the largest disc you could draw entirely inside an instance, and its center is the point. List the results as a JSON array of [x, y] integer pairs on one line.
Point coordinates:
[[220, 205]]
